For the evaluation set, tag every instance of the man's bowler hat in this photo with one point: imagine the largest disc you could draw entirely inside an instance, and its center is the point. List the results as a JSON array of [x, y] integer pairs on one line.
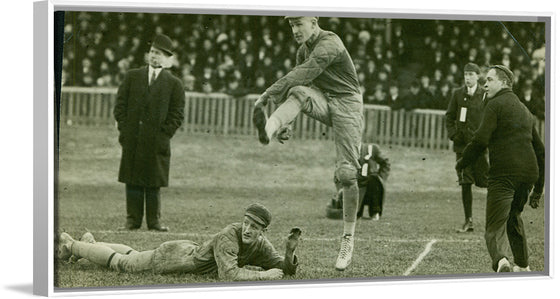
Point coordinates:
[[163, 42]]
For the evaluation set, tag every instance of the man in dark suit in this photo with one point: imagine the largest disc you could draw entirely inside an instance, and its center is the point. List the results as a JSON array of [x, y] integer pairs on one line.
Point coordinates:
[[517, 158], [462, 119], [149, 109]]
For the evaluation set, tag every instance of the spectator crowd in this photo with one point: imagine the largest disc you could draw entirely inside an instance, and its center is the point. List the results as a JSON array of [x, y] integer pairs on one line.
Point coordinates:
[[404, 64]]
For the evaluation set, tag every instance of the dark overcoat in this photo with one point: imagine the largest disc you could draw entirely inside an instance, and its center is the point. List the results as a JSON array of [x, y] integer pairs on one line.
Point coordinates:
[[147, 118], [461, 132]]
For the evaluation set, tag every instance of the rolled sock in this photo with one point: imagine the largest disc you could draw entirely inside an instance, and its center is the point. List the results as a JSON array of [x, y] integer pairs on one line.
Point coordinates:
[[272, 125], [349, 228], [95, 253]]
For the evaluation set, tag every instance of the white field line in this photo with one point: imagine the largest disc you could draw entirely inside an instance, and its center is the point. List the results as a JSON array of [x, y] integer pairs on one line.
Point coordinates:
[[420, 258], [388, 240]]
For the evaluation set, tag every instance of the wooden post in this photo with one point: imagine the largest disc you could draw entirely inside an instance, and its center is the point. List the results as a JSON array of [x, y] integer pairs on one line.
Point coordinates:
[[432, 131], [226, 113], [388, 121]]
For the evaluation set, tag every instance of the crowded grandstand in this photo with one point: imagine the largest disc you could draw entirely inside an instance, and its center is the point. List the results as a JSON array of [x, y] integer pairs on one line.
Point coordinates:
[[401, 63]]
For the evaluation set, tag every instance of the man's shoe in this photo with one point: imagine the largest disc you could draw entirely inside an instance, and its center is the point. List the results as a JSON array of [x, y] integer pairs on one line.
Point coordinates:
[[159, 228], [345, 254], [468, 227], [521, 269], [504, 265], [375, 216], [64, 246], [259, 121]]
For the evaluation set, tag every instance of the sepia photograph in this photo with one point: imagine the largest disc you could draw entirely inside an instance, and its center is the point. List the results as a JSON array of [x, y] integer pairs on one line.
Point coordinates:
[[215, 148]]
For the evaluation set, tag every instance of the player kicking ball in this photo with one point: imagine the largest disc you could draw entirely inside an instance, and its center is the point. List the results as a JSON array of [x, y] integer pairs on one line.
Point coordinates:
[[323, 85]]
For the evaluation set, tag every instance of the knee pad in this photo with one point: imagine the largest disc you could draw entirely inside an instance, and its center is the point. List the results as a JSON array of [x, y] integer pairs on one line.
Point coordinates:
[[347, 175]]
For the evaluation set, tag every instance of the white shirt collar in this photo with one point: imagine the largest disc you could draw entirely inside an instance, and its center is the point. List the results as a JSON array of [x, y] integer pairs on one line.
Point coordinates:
[[151, 69], [471, 90]]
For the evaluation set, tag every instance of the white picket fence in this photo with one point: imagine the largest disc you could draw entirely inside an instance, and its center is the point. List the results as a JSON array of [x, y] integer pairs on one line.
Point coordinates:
[[222, 114]]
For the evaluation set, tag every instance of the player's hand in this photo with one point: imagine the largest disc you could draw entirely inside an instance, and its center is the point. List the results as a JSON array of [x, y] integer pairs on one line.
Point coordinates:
[[253, 268], [293, 239], [534, 199], [274, 273], [284, 134]]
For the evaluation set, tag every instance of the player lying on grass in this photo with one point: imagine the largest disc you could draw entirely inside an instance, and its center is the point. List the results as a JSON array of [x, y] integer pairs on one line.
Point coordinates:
[[239, 252]]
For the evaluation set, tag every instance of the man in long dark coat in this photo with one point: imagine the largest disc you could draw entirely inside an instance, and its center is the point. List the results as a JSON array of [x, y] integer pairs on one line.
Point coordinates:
[[517, 168], [149, 109]]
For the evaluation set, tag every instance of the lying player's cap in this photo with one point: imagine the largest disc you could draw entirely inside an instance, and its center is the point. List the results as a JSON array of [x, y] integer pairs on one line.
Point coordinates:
[[259, 214]]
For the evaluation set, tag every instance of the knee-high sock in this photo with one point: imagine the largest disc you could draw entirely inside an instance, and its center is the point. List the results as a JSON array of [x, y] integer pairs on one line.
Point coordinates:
[[350, 207], [466, 192], [120, 248], [95, 253], [282, 116]]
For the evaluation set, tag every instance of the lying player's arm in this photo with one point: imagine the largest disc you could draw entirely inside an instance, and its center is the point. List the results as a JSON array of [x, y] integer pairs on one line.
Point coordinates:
[[269, 258], [291, 245], [226, 253]]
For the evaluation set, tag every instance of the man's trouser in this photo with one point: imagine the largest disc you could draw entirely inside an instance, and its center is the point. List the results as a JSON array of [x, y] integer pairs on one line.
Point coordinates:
[[505, 201], [135, 197]]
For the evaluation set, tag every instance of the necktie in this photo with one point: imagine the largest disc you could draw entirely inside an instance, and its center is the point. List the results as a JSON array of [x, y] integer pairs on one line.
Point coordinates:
[[153, 78]]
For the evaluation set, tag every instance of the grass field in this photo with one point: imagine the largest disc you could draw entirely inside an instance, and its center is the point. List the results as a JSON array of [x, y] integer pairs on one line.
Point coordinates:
[[213, 178]]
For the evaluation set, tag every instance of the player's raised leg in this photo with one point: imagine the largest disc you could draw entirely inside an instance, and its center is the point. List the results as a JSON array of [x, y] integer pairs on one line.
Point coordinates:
[[304, 99]]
